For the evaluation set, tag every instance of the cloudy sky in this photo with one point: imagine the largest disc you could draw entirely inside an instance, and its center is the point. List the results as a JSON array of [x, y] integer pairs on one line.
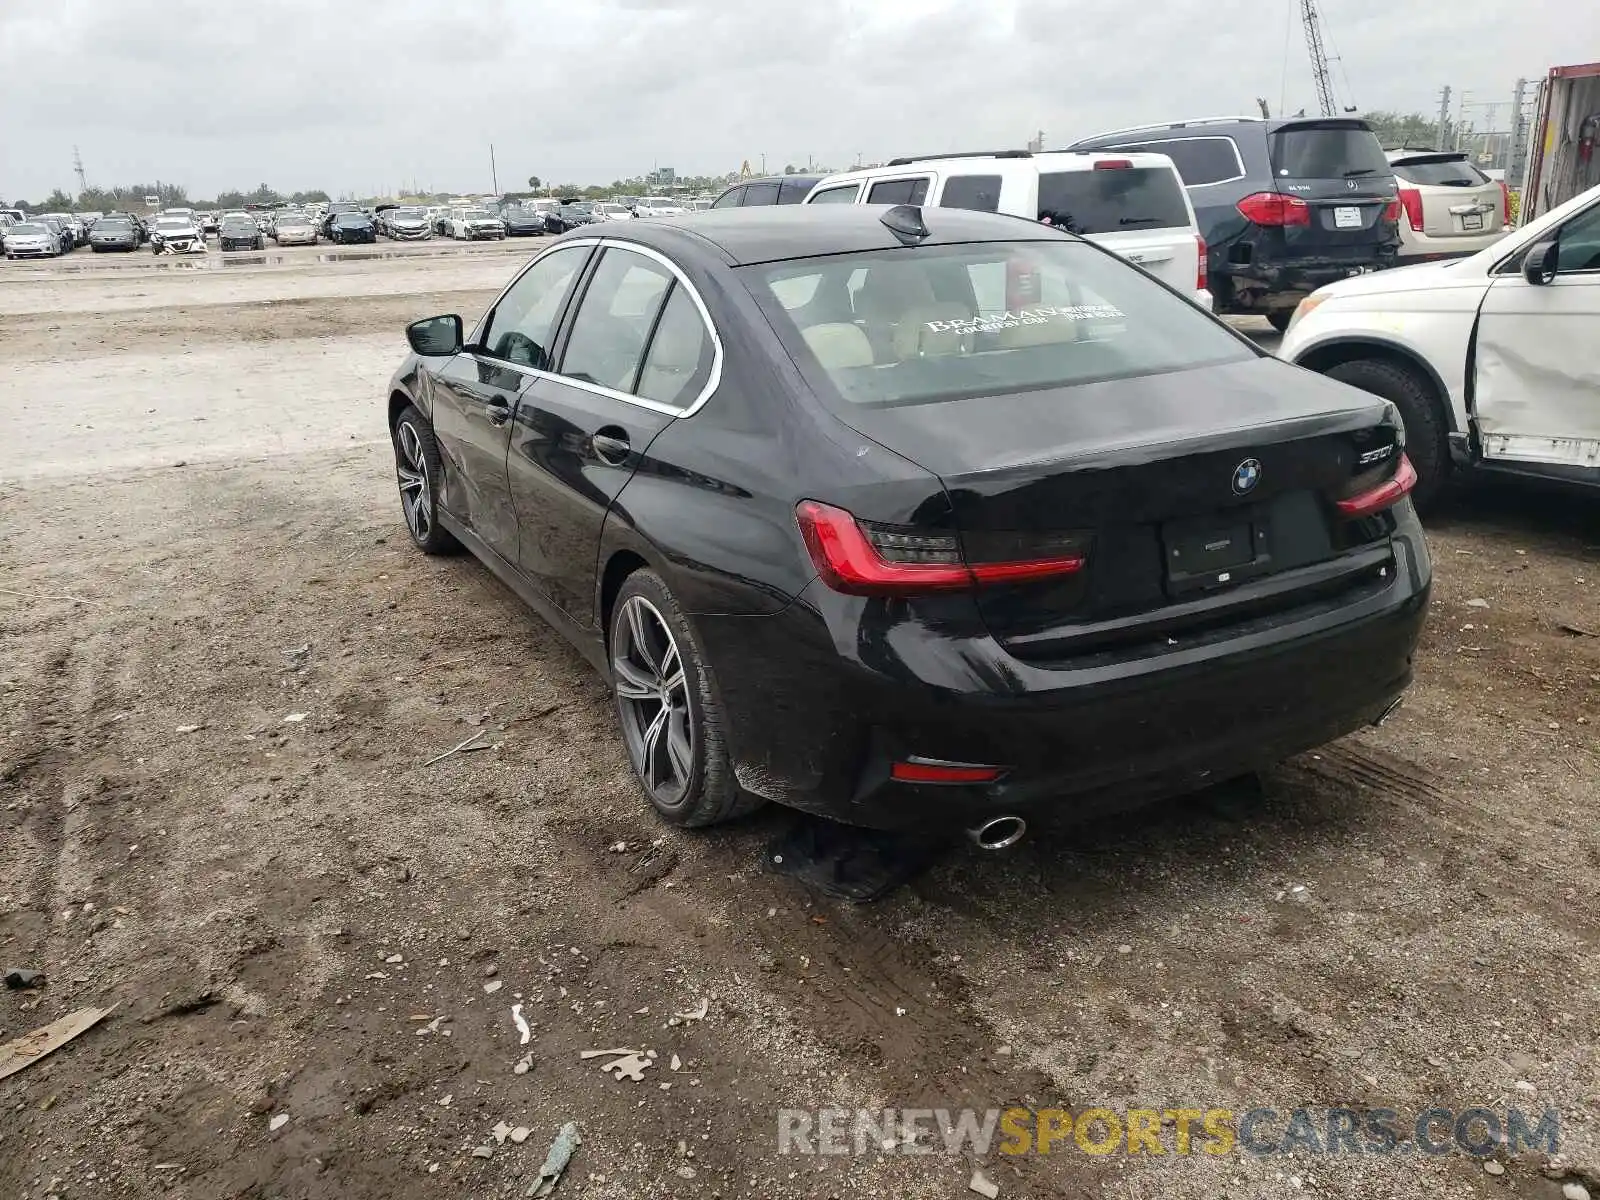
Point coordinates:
[[367, 95]]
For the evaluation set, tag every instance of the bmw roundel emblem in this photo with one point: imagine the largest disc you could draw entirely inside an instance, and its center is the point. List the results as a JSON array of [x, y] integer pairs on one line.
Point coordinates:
[[1245, 476]]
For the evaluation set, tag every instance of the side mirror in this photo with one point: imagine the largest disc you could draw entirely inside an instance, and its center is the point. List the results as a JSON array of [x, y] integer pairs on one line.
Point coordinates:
[[1539, 264], [435, 336]]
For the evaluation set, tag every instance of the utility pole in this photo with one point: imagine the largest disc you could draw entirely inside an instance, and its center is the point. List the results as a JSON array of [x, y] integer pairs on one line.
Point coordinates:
[[1519, 136], [494, 174], [1444, 117]]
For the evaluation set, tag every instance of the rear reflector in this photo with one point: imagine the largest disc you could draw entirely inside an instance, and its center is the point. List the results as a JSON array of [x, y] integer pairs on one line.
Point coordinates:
[[1385, 495], [927, 770], [1274, 208], [1200, 277], [1113, 164], [1411, 201], [861, 559], [1505, 203]]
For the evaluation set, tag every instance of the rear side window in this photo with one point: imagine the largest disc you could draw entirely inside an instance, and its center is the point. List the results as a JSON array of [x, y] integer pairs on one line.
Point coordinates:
[[793, 191], [899, 191], [678, 363], [978, 192], [761, 193], [1113, 200], [1441, 172], [837, 195], [614, 321], [1199, 160], [1343, 150], [913, 326]]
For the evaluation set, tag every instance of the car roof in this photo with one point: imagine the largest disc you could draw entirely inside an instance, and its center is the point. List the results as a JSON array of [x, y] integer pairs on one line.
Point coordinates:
[[768, 232]]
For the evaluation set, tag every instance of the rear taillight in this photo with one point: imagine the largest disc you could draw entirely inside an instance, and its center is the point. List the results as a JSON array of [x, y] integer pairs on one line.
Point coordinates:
[[860, 558], [1200, 281], [1386, 494], [1505, 203], [1411, 201], [1113, 164], [1274, 209]]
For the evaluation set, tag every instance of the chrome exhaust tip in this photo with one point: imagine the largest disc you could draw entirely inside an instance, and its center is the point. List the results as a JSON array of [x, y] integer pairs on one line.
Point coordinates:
[[1394, 707], [998, 833]]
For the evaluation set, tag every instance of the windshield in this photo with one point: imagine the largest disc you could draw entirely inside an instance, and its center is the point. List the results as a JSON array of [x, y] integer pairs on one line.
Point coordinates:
[[29, 227], [475, 214], [113, 223], [407, 212], [350, 218], [936, 323], [1113, 200], [239, 223], [1336, 150], [175, 223]]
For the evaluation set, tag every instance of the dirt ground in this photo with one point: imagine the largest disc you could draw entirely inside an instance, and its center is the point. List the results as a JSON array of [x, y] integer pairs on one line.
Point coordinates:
[[223, 673]]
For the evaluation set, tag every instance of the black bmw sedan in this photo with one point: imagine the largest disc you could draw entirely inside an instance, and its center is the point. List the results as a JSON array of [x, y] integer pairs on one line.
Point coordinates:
[[916, 517]]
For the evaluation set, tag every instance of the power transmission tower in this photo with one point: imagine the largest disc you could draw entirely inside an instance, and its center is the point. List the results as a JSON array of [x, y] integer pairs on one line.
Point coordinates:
[[77, 165], [1444, 117], [1319, 57]]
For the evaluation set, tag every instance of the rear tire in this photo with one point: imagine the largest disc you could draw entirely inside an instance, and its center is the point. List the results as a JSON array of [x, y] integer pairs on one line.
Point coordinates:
[[1279, 319], [667, 703], [418, 470], [1414, 396]]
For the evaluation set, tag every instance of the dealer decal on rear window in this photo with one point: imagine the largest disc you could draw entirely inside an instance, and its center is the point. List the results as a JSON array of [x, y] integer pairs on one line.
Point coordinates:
[[1039, 315]]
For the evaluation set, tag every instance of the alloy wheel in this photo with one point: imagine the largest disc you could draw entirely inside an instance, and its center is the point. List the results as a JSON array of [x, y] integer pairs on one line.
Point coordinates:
[[653, 700], [416, 494]]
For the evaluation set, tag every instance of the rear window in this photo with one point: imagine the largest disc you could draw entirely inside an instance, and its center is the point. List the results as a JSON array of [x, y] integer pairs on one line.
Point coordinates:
[[934, 323], [1441, 172], [1333, 151], [1113, 200]]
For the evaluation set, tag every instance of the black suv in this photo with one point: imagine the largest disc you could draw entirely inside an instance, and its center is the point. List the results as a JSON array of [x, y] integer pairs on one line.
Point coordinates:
[[779, 189], [1285, 205]]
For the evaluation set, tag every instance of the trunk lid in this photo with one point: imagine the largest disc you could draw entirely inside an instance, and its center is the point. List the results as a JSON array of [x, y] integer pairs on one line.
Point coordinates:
[[1338, 168], [1191, 495]]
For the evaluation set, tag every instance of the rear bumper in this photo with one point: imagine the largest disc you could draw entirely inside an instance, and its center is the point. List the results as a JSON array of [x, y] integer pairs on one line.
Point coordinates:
[[1265, 286], [822, 698], [1419, 247]]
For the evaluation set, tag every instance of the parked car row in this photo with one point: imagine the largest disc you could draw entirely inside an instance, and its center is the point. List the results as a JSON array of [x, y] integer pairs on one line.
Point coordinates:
[[47, 235]]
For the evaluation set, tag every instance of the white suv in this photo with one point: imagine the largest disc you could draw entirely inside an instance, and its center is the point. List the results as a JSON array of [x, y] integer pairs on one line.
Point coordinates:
[[1449, 208], [1132, 204]]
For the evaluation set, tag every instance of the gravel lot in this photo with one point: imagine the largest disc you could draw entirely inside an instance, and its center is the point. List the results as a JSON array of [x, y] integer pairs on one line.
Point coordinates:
[[223, 670]]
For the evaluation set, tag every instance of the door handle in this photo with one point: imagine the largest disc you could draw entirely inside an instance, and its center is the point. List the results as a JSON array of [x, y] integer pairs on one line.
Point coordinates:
[[497, 410], [611, 446]]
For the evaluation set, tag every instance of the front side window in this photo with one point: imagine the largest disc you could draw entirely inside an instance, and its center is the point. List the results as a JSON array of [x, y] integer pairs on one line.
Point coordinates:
[[614, 322], [981, 193], [899, 191], [523, 324], [730, 198], [1580, 243], [951, 322], [843, 194]]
